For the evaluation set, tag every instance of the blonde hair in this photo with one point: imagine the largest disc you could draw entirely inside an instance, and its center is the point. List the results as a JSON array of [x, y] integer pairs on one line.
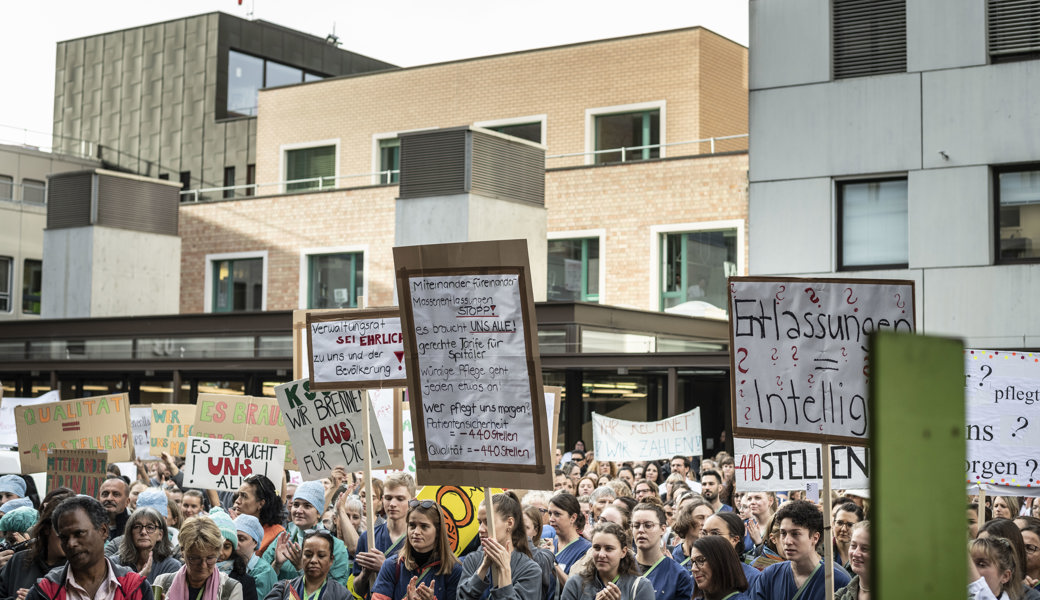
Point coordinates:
[[200, 534], [1000, 551], [400, 479]]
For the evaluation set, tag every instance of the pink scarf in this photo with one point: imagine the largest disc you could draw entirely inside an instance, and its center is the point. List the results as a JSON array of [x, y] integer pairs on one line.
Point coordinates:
[[179, 588]]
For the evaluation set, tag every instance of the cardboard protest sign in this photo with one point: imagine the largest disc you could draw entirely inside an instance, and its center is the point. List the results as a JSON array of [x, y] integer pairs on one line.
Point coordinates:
[[799, 353], [617, 440], [140, 430], [475, 381], [96, 423], [171, 428], [215, 464], [8, 432], [326, 429], [459, 506], [355, 349], [1003, 419], [246, 418], [82, 471], [778, 466]]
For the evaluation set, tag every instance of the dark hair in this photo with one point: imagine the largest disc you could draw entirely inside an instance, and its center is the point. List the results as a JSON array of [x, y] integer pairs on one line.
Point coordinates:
[[629, 469], [684, 519], [803, 514], [726, 574], [734, 523], [850, 507], [713, 473], [95, 512], [128, 551], [629, 502], [43, 528], [627, 564], [203, 501], [323, 534], [442, 552], [1006, 528], [662, 518], [535, 516], [1031, 524], [271, 510], [975, 507], [656, 480], [569, 504], [685, 461], [507, 505]]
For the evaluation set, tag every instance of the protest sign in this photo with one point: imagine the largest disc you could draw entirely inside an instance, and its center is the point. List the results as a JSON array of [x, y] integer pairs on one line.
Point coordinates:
[[8, 432], [459, 506], [141, 430], [326, 429], [1003, 419], [617, 440], [245, 418], [778, 466], [82, 471], [475, 383], [799, 353], [171, 428], [216, 464], [96, 423], [355, 349]]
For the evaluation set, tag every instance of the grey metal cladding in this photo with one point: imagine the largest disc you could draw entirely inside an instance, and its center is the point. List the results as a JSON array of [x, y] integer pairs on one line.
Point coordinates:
[[433, 163], [506, 169], [137, 205], [68, 200]]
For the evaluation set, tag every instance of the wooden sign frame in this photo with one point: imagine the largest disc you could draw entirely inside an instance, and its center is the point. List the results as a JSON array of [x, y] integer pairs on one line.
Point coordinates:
[[349, 315]]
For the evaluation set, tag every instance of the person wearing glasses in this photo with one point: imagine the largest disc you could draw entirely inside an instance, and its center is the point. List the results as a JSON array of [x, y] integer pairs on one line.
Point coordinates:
[[317, 559], [1030, 527], [425, 568], [502, 569], [146, 547], [257, 497], [305, 515], [612, 573], [730, 527], [687, 527], [845, 516], [567, 519], [374, 547], [716, 570], [199, 578], [670, 581]]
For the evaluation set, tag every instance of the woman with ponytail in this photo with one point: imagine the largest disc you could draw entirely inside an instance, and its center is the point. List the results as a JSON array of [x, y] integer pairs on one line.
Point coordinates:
[[503, 566]]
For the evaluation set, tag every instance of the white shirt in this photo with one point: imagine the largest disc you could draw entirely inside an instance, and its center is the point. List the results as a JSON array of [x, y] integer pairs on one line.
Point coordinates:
[[74, 591]]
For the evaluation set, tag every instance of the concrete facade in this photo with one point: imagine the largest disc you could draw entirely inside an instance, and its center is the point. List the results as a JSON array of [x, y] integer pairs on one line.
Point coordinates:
[[945, 125]]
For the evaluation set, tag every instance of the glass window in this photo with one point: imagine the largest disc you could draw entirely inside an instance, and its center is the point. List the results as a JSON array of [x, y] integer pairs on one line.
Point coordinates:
[[312, 77], [311, 164], [250, 179], [872, 224], [335, 280], [635, 136], [34, 191], [390, 160], [6, 187], [238, 285], [245, 78], [229, 182], [695, 266], [531, 132], [279, 74], [32, 286], [6, 263], [1018, 202], [574, 270]]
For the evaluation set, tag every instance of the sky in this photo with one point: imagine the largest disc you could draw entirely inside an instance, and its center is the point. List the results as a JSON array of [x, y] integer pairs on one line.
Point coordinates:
[[404, 32]]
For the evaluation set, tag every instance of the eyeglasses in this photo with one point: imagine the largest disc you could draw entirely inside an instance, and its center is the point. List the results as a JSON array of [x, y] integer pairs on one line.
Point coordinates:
[[198, 560], [421, 503], [700, 561], [843, 524], [640, 525], [150, 528], [542, 510], [717, 532], [1032, 549]]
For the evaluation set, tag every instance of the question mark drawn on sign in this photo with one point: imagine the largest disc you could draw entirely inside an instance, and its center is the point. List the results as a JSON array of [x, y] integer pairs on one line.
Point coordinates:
[[774, 356], [740, 363], [779, 291], [1025, 423], [794, 353], [850, 300], [989, 371], [812, 295], [900, 303], [1031, 461], [811, 376], [779, 382], [746, 413]]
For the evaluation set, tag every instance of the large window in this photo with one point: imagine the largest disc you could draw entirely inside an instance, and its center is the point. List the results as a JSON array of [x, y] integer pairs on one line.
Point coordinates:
[[6, 268], [574, 269], [34, 191], [872, 224], [531, 131], [6, 187], [869, 37], [247, 75], [1014, 30], [32, 286], [1018, 204], [390, 160], [695, 266], [335, 280], [238, 284], [628, 136], [310, 164]]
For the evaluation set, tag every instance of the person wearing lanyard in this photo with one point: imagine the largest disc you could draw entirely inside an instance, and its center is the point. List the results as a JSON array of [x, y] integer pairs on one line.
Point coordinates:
[[730, 526], [799, 577], [250, 533], [670, 581], [567, 519], [374, 547], [317, 559], [612, 573], [502, 569], [307, 505], [425, 568], [716, 570], [201, 542]]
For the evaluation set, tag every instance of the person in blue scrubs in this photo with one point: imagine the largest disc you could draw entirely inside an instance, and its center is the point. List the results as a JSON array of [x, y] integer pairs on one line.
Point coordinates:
[[425, 566], [567, 519], [716, 570], [670, 581], [730, 526]]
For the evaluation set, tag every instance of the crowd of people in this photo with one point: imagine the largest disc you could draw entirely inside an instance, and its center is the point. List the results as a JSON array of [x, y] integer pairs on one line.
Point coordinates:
[[655, 530]]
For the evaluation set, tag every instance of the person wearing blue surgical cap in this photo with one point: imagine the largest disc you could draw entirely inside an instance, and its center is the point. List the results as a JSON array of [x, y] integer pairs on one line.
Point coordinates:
[[11, 487]]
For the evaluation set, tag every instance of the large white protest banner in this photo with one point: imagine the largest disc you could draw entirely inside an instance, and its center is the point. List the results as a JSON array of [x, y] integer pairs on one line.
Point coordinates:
[[776, 466], [1003, 420], [217, 464], [326, 429], [620, 441], [355, 349], [8, 433], [799, 353]]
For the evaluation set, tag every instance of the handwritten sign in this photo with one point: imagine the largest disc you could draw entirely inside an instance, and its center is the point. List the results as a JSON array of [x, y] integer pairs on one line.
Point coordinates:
[[171, 428], [215, 464], [140, 430], [799, 353], [620, 441], [1003, 418], [778, 466], [475, 380], [326, 429], [356, 349], [245, 418], [82, 471], [8, 431], [96, 423]]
